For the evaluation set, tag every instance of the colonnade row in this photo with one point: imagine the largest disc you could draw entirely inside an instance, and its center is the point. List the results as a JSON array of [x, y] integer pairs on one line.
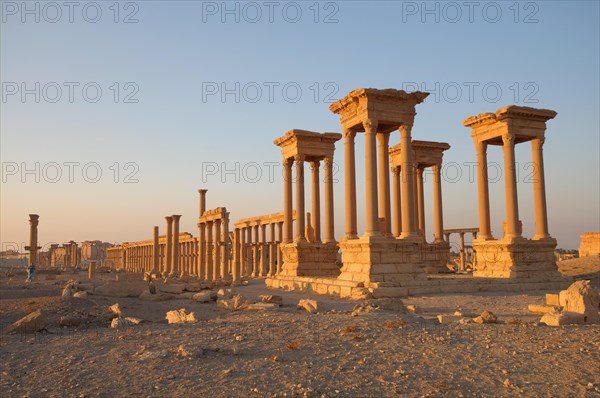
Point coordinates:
[[257, 254], [462, 249], [141, 256]]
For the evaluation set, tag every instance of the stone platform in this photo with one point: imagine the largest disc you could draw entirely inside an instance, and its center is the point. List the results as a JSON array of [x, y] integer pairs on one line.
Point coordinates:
[[432, 284]]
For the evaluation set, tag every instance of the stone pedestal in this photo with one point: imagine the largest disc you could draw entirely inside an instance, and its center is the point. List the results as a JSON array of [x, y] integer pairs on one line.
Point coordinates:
[[379, 262], [309, 259], [515, 258], [435, 257]]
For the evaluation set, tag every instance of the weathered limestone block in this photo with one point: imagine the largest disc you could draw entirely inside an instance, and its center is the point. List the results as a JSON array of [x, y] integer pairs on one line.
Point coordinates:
[[309, 259], [80, 294], [234, 304], [562, 318], [180, 316], [486, 317], [122, 288], [170, 287], [590, 244], [308, 305], [205, 296], [552, 299], [35, 321], [541, 309], [581, 298], [271, 298], [445, 319], [515, 258]]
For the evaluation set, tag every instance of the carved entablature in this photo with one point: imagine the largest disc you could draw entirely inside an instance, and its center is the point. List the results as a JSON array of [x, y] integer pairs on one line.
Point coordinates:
[[520, 123], [388, 109], [425, 153], [306, 145]]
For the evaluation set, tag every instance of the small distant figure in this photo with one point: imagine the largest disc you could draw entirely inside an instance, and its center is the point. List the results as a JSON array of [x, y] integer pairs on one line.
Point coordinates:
[[30, 272]]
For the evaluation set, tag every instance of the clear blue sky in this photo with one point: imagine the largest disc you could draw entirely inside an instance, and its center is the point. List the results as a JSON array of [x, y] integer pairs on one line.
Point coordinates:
[[542, 54]]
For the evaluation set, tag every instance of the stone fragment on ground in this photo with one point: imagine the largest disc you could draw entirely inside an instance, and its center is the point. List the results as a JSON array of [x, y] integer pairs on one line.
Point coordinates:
[[562, 318], [581, 298], [31, 323], [205, 296], [541, 309], [486, 317], [180, 316], [233, 304], [309, 305], [270, 298]]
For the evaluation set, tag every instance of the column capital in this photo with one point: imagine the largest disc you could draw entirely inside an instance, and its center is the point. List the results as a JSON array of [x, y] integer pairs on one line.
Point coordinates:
[[202, 191], [288, 162], [508, 139], [405, 129], [395, 170], [299, 158], [328, 161], [349, 134], [176, 217], [315, 164], [169, 218], [370, 126]]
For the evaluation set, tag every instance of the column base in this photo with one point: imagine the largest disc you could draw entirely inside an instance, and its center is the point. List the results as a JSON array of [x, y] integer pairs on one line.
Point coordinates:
[[515, 257], [376, 260], [309, 259]]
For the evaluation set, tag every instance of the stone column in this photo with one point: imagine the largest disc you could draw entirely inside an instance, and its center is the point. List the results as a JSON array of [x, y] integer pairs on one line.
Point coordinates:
[[256, 253], [316, 200], [539, 189], [408, 219], [208, 253], [300, 214], [383, 157], [201, 271], [287, 201], [372, 214], [33, 238], [249, 253], [175, 256], [202, 204], [484, 195], [272, 249], [510, 183], [397, 202], [350, 184], [279, 252], [168, 269], [462, 251], [242, 245], [438, 214], [328, 193], [225, 247], [421, 203], [155, 248], [235, 271], [217, 250], [263, 250]]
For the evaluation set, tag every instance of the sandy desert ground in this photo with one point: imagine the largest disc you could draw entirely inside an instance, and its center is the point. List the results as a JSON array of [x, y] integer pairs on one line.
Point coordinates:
[[286, 352]]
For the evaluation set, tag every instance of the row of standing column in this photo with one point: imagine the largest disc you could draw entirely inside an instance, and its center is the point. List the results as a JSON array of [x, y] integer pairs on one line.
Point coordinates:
[[256, 256], [512, 210], [419, 199], [213, 252], [316, 200], [381, 208]]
